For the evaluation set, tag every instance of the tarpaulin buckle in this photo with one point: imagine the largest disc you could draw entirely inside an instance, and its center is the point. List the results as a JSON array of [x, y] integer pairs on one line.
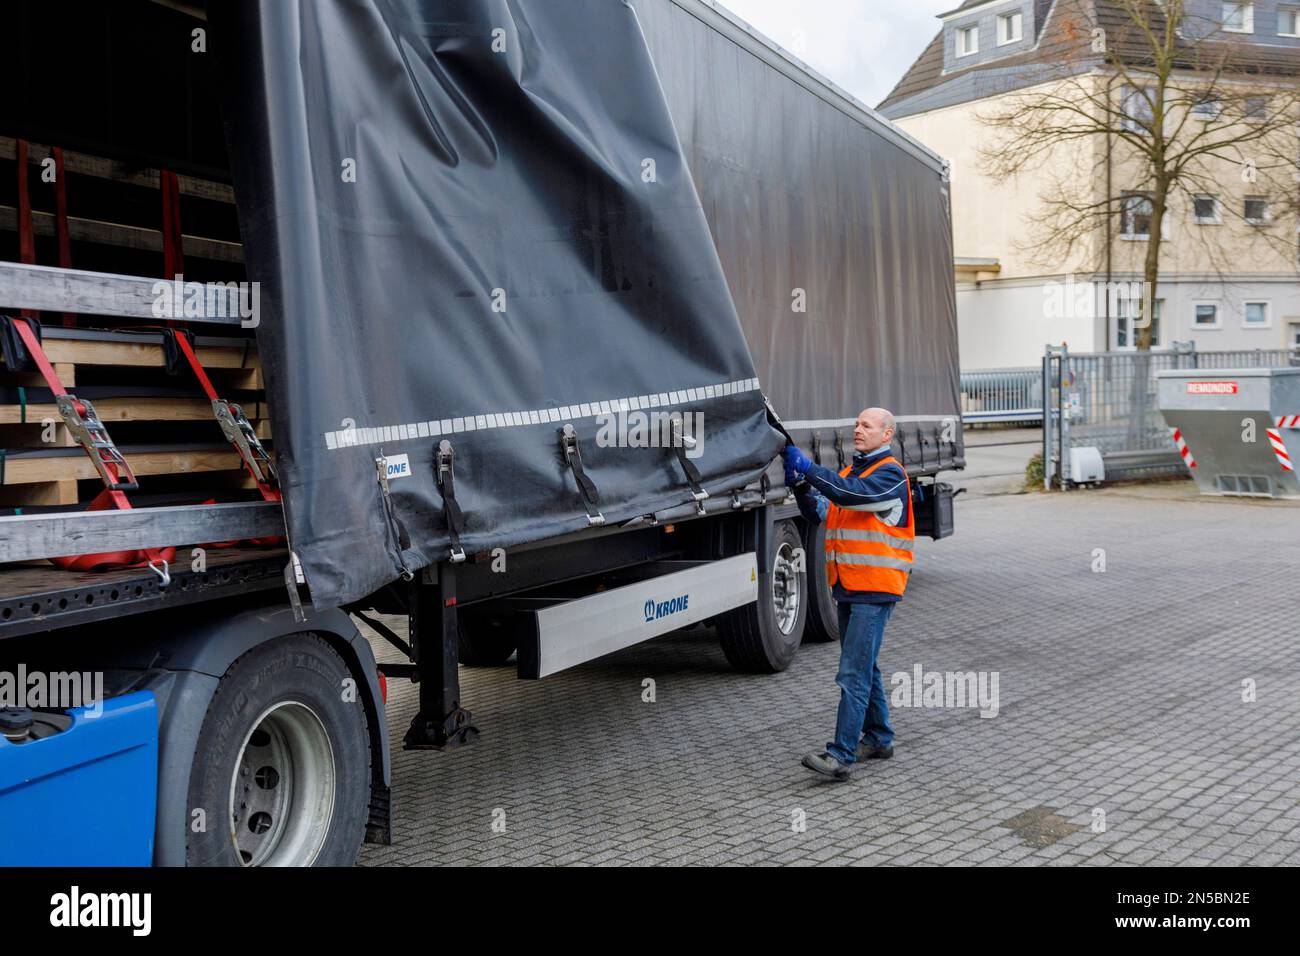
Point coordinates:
[[587, 487], [764, 486], [89, 432], [394, 524], [680, 438], [839, 449], [447, 486], [293, 577], [817, 448]]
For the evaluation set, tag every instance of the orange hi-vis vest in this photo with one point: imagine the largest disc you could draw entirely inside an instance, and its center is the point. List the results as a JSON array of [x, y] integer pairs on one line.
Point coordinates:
[[862, 552]]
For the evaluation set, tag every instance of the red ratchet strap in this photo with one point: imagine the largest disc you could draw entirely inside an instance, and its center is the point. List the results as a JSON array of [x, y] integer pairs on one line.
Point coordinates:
[[238, 431], [234, 424], [84, 425]]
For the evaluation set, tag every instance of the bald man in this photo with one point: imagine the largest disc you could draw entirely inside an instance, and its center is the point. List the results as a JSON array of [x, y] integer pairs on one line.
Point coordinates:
[[867, 508]]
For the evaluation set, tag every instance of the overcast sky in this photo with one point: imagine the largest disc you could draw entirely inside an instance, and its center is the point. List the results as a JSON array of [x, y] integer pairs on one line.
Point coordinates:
[[864, 46]]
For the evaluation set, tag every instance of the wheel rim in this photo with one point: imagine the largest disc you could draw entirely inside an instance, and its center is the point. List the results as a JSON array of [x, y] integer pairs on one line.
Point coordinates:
[[786, 589], [282, 789]]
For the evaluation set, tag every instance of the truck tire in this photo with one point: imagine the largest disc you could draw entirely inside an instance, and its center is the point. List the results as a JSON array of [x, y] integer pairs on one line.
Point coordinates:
[[823, 617], [763, 637], [485, 639], [281, 770]]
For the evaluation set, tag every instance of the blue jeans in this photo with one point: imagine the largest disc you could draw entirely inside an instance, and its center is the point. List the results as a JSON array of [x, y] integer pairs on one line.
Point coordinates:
[[864, 708]]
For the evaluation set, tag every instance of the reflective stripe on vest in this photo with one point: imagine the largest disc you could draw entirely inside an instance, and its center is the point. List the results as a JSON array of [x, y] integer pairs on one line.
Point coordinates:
[[862, 552]]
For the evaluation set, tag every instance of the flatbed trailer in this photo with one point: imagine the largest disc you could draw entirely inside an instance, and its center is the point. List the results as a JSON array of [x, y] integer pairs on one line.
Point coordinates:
[[249, 681]]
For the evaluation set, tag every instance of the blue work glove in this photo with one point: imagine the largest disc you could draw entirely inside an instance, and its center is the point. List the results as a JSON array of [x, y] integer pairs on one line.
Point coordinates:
[[796, 464]]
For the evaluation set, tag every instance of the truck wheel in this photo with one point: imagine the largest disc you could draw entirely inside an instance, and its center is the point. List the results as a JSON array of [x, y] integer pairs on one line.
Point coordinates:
[[485, 640], [282, 767], [763, 637], [823, 617]]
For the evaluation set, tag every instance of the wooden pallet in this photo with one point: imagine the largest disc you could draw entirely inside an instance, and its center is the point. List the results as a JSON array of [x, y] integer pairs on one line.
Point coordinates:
[[43, 479], [50, 476]]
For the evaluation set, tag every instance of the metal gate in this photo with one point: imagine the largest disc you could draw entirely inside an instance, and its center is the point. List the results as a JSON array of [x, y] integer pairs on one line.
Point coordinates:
[[1107, 400]]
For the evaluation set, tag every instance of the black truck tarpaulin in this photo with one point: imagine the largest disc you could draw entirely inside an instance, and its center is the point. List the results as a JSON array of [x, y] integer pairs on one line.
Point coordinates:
[[473, 222]]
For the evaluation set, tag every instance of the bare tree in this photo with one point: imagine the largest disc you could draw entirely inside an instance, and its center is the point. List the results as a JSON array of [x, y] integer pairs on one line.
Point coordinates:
[[1158, 106]]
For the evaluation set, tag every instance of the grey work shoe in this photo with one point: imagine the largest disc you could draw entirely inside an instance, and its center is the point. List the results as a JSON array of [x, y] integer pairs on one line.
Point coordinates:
[[868, 751], [827, 766]]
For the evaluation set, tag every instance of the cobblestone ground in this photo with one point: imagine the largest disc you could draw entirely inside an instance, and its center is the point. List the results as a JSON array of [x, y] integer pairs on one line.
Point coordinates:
[[1121, 710]]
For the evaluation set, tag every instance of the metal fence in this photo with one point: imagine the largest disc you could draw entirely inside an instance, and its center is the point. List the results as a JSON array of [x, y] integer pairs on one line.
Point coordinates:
[[1107, 400], [1002, 395]]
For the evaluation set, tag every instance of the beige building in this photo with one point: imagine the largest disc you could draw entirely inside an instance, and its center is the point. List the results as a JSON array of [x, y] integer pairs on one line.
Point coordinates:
[[1229, 277]]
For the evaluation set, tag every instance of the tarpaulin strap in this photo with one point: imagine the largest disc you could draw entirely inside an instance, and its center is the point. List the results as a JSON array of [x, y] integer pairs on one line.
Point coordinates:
[[447, 487], [586, 487], [63, 236], [22, 405], [234, 424], [26, 235], [839, 449], [764, 486], [688, 467], [395, 526]]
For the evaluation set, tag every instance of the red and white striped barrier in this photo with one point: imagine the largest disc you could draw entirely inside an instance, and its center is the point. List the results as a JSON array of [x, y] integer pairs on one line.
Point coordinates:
[[1183, 449], [1279, 449], [1289, 421]]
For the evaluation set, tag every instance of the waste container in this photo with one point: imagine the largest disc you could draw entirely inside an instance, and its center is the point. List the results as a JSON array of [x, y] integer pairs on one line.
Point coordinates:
[[1238, 430]]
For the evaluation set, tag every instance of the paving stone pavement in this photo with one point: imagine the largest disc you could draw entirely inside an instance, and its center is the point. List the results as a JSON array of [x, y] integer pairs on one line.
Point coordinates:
[[1120, 693]]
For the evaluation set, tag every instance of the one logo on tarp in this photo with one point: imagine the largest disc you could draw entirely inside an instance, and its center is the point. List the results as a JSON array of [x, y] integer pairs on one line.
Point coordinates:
[[1212, 388], [655, 610], [399, 466]]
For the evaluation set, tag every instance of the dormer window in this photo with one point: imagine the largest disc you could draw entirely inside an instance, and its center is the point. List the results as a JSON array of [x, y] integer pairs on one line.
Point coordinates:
[[968, 41], [1011, 28], [1239, 17]]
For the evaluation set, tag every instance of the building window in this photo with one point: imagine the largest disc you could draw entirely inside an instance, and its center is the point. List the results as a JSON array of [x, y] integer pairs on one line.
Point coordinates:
[[1011, 28], [1257, 316], [1256, 210], [1295, 335], [1207, 316], [1127, 312], [1206, 210], [1207, 108], [1135, 216], [968, 41], [1255, 108], [1239, 17], [1138, 110], [1288, 23]]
